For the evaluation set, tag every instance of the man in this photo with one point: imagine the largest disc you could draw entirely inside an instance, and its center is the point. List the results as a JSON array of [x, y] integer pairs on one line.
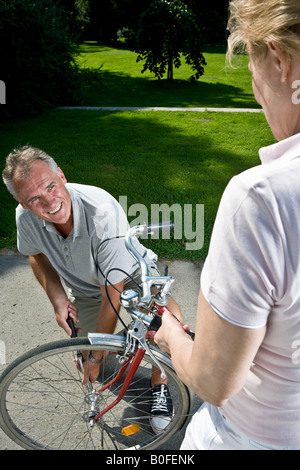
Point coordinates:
[[74, 237]]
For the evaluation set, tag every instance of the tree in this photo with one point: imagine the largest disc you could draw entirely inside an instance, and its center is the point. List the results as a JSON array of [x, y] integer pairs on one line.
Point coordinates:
[[213, 17], [167, 29], [76, 14], [104, 21], [37, 49]]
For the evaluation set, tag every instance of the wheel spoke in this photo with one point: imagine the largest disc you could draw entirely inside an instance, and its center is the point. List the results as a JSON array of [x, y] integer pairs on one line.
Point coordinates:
[[44, 404]]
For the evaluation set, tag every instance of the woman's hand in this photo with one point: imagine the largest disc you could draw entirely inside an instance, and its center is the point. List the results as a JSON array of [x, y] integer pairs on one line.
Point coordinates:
[[170, 327]]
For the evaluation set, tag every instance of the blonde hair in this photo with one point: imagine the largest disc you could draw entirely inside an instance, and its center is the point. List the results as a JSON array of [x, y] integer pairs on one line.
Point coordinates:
[[254, 23]]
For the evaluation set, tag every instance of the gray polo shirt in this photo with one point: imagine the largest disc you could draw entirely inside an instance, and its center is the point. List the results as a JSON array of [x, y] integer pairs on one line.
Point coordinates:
[[95, 245]]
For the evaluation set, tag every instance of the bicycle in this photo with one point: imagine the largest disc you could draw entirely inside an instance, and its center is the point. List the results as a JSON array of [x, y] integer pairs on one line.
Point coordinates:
[[43, 404]]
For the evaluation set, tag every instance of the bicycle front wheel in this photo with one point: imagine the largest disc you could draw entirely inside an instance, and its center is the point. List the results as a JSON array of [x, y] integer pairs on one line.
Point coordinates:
[[43, 404]]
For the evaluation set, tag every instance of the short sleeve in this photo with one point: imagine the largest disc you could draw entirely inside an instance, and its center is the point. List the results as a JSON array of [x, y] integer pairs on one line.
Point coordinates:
[[114, 261], [27, 239], [112, 257], [243, 274]]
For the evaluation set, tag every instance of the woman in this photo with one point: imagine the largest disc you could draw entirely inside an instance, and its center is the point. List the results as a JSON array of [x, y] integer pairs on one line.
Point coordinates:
[[244, 362]]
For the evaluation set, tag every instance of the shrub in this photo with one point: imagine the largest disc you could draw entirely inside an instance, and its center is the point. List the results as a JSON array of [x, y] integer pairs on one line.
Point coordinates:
[[37, 53]]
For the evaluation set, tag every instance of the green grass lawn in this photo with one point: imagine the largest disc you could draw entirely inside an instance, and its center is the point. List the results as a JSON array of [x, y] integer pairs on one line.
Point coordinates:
[[122, 84], [150, 157]]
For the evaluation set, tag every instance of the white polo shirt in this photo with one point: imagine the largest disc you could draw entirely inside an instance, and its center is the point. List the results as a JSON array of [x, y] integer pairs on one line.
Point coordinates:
[[95, 245], [251, 278]]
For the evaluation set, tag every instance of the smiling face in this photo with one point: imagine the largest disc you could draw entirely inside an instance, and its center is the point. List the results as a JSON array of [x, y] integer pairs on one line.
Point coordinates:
[[45, 194]]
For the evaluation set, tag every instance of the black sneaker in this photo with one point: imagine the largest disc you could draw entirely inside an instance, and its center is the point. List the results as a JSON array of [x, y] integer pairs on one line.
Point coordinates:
[[162, 408]]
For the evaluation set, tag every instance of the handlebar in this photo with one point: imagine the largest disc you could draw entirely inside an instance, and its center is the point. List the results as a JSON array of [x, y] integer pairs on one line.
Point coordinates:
[[129, 298], [160, 227], [157, 321], [148, 281]]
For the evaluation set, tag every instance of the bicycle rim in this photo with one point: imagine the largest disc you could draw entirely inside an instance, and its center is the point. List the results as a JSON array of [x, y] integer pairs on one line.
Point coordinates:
[[44, 405]]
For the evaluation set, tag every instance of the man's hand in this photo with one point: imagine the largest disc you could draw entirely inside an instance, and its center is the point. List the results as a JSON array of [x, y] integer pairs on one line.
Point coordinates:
[[50, 281], [62, 312], [90, 369]]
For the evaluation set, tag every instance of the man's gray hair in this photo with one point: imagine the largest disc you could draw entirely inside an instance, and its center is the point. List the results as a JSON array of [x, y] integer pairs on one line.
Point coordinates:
[[20, 161]]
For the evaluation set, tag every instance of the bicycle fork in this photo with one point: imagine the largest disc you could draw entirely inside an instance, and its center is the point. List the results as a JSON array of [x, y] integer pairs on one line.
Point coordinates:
[[137, 332], [129, 376]]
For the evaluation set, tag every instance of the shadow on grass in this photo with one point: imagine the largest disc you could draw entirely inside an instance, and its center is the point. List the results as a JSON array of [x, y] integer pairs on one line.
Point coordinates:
[[119, 89], [152, 158]]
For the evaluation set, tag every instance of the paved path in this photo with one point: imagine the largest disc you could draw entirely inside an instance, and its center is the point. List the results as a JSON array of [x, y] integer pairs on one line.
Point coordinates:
[[27, 318], [154, 108]]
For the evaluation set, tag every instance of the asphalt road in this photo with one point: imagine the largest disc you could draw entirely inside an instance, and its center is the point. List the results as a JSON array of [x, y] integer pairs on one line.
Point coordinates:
[[27, 318]]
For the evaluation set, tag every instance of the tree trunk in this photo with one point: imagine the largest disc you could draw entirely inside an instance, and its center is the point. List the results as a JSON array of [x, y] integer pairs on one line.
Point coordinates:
[[170, 68]]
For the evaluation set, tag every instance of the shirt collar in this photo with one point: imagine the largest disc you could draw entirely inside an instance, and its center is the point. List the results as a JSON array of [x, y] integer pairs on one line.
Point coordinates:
[[285, 149], [79, 216]]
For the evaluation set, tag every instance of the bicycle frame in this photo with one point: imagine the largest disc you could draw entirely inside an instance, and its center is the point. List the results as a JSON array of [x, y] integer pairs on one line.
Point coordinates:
[[40, 409], [129, 376], [131, 300], [137, 358]]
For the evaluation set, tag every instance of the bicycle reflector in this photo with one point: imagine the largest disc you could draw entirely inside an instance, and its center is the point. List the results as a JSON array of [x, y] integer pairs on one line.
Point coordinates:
[[131, 429]]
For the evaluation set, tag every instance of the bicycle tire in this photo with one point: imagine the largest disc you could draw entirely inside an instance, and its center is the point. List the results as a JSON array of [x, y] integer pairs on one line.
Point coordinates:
[[43, 403]]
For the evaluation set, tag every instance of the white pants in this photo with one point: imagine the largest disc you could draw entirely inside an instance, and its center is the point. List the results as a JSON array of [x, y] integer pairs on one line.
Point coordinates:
[[209, 430]]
